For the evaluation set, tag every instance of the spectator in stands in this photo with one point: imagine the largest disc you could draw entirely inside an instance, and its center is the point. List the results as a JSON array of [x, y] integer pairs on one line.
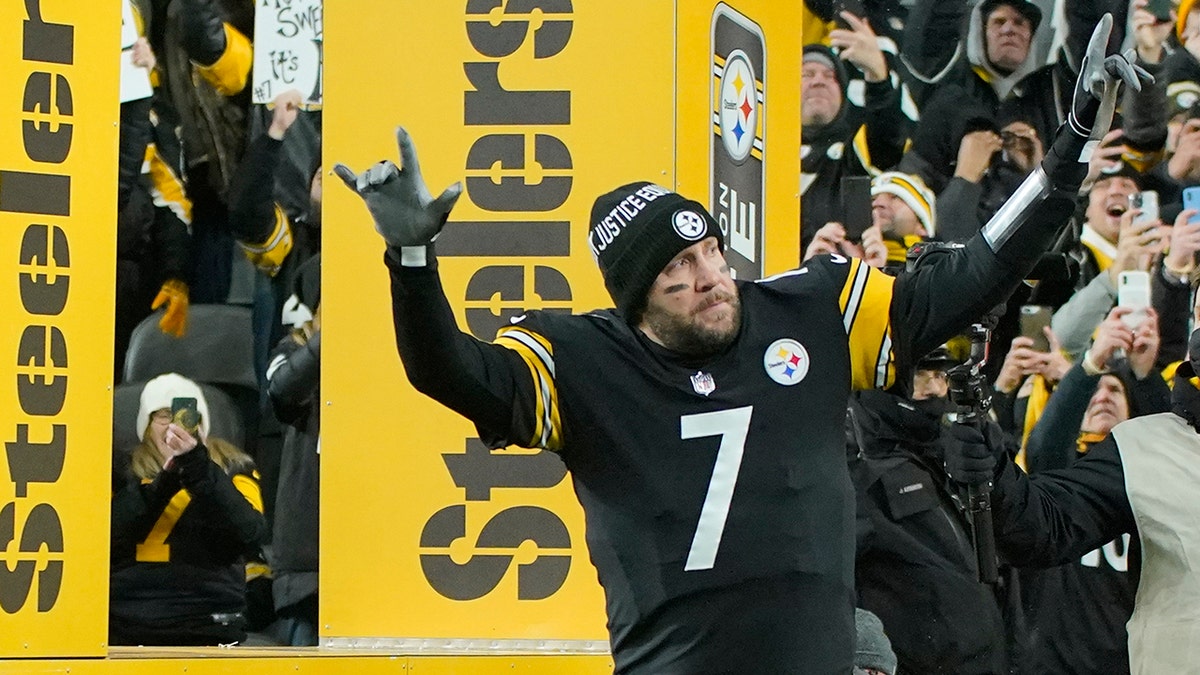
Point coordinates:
[[294, 378], [1077, 611], [903, 212], [153, 217], [915, 566], [994, 80], [205, 57], [1110, 243], [991, 162], [841, 139], [276, 229], [188, 513]]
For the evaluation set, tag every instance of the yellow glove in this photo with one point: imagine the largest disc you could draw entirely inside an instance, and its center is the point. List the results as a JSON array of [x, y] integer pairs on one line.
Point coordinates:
[[174, 293]]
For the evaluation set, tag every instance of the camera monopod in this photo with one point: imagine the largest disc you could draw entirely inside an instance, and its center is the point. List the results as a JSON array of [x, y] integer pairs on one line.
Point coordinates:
[[972, 398]]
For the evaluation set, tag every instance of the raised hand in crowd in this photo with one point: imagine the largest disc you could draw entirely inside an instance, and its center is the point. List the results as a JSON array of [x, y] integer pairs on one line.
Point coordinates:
[[1183, 241], [1184, 165], [143, 55], [1150, 34], [1143, 351], [1056, 364], [831, 238], [1137, 245], [874, 251], [1112, 334], [286, 108], [1021, 361], [1022, 145], [1107, 157], [975, 154], [174, 295], [860, 46]]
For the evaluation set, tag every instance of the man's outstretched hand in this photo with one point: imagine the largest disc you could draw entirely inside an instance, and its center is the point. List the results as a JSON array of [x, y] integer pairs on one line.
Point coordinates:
[[405, 213], [1099, 76]]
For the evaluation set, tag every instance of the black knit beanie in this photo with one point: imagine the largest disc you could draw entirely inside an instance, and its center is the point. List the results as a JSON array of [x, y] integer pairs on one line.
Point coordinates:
[[636, 229]]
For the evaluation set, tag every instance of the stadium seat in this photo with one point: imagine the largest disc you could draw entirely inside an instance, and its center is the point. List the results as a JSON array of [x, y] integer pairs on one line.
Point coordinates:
[[218, 348]]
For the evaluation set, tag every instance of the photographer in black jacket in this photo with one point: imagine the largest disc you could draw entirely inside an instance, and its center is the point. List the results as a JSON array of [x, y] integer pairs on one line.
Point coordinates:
[[915, 565]]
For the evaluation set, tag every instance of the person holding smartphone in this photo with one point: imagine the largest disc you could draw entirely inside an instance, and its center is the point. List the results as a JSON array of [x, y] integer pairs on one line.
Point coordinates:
[[1116, 237], [188, 514], [830, 122]]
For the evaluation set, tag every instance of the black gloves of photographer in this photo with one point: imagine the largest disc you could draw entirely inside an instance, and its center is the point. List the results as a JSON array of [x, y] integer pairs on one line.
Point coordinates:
[[405, 214], [971, 459]]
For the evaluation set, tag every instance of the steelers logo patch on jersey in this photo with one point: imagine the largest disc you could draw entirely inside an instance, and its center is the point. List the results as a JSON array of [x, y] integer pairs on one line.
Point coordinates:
[[786, 361], [690, 225]]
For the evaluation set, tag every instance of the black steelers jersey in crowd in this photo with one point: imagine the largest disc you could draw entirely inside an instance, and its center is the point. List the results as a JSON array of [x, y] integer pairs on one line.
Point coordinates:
[[178, 557], [720, 515]]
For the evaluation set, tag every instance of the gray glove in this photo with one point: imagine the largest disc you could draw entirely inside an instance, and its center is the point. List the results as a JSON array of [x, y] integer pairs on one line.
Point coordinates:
[[405, 213], [1100, 76]]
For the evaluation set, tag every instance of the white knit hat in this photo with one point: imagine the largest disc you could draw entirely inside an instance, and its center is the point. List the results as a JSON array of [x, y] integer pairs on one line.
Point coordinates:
[[158, 393], [912, 191]]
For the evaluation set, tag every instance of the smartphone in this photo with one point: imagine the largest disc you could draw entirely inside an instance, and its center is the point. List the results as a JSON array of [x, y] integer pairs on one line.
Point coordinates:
[[1146, 202], [1161, 9], [856, 206], [1191, 200], [855, 7], [1133, 291], [1034, 318], [185, 413]]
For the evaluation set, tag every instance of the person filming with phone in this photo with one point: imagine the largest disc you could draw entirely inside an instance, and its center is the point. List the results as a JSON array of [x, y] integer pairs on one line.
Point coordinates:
[[830, 122], [1123, 235], [187, 512]]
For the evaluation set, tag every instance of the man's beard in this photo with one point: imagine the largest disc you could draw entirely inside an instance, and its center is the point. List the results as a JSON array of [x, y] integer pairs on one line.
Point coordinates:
[[681, 334]]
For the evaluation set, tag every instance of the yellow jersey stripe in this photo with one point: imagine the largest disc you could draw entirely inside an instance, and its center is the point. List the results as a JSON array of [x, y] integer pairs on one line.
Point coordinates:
[[539, 357], [249, 490], [166, 188], [865, 303], [852, 293]]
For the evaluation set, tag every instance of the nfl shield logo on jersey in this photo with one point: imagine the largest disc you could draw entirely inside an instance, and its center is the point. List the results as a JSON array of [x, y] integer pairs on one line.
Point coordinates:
[[703, 383], [786, 361]]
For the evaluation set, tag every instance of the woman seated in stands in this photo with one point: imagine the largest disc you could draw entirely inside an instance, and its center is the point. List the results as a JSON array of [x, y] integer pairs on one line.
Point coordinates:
[[187, 512]]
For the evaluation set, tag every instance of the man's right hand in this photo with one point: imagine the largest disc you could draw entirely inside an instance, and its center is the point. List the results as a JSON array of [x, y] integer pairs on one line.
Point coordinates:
[[970, 460], [405, 213]]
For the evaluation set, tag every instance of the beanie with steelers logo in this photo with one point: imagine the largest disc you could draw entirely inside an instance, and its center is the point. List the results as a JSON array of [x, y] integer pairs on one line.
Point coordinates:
[[635, 231]]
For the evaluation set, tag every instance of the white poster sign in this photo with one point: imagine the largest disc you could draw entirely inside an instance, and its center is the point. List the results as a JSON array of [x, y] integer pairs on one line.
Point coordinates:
[[288, 49]]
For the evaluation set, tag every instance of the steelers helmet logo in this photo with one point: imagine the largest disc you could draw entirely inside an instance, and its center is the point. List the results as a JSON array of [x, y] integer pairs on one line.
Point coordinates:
[[786, 361], [690, 225], [739, 106]]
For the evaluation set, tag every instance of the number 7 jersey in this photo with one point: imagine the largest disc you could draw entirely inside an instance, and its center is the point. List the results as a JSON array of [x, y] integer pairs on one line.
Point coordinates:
[[713, 484]]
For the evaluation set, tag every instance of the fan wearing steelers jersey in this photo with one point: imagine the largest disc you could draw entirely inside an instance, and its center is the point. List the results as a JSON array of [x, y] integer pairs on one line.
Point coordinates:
[[702, 418]]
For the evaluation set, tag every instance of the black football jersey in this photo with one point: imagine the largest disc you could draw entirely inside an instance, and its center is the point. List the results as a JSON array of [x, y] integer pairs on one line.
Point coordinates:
[[718, 505]]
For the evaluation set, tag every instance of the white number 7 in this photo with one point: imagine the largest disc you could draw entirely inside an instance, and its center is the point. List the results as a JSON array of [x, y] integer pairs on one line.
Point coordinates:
[[732, 426]]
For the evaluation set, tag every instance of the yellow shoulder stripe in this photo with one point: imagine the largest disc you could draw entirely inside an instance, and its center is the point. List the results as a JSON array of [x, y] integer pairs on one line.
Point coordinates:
[[538, 355], [865, 302]]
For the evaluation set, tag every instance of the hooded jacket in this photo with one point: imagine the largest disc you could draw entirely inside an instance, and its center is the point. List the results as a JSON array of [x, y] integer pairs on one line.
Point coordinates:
[[971, 94], [858, 142]]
